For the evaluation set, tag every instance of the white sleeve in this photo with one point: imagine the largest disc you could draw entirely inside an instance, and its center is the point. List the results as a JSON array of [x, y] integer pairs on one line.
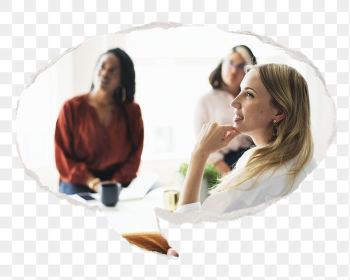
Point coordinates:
[[226, 202], [188, 207]]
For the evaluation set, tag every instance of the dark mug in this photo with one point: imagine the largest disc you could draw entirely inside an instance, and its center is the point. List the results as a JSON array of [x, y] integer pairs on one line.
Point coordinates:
[[110, 193]]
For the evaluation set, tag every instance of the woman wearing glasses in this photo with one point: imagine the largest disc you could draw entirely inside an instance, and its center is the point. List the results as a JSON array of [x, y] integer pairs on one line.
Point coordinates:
[[215, 105]]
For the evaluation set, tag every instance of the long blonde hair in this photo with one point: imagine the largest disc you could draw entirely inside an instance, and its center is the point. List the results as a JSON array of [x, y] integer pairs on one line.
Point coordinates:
[[289, 92]]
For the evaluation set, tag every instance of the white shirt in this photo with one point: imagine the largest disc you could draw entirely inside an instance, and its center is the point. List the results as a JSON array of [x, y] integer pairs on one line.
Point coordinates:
[[233, 199], [215, 106]]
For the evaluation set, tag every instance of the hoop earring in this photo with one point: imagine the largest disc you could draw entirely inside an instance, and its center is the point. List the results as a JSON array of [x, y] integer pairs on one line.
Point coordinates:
[[123, 95]]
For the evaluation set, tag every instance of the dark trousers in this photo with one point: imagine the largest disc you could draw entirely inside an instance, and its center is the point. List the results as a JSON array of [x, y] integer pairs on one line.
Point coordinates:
[[105, 175], [69, 188], [232, 157]]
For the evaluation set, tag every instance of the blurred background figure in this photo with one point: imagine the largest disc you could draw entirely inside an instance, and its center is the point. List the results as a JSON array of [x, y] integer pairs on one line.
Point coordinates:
[[99, 135], [215, 105]]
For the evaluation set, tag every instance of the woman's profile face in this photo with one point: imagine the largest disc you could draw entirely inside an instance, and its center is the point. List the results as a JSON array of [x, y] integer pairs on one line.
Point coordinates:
[[107, 75], [254, 111], [232, 71]]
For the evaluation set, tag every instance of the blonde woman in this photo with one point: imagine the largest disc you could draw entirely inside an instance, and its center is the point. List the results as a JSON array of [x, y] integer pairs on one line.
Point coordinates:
[[273, 109]]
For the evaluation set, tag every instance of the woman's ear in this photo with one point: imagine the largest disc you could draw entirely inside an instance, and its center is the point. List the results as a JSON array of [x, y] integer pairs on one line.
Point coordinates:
[[279, 116]]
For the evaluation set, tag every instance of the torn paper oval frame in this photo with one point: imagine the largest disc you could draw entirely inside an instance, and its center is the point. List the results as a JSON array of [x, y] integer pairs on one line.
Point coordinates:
[[195, 217]]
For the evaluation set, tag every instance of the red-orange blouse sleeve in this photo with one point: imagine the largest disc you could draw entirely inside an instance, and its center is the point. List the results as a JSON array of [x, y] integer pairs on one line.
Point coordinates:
[[70, 169], [129, 169]]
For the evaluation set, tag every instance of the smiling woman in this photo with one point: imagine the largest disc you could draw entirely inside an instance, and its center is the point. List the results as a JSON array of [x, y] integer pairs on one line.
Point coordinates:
[[93, 139], [254, 110], [273, 109]]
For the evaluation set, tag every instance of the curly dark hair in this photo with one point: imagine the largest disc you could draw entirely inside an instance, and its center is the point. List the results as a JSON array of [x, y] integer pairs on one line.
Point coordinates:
[[215, 77], [127, 74]]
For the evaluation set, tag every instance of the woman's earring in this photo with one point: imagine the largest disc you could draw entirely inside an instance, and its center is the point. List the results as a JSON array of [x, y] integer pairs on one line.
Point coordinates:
[[123, 95], [275, 131]]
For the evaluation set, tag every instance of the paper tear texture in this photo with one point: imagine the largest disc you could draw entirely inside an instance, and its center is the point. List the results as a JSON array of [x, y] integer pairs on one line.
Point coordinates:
[[196, 216]]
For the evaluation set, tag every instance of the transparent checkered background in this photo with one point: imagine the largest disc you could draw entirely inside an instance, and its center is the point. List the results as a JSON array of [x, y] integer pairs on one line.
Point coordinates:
[[303, 237]]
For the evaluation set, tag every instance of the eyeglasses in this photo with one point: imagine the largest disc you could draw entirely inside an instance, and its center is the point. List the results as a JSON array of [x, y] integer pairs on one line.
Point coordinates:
[[230, 64]]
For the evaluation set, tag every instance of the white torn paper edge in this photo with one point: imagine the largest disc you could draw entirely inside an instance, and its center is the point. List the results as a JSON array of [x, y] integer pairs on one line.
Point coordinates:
[[193, 217]]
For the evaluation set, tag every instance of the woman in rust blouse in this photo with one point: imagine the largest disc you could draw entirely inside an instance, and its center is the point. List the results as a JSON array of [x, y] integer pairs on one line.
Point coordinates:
[[99, 135]]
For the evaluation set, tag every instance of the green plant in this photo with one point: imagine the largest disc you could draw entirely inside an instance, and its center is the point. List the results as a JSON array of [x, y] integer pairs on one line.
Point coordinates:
[[210, 174]]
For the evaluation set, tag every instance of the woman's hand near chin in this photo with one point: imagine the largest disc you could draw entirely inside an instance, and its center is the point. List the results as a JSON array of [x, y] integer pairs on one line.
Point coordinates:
[[214, 137]]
